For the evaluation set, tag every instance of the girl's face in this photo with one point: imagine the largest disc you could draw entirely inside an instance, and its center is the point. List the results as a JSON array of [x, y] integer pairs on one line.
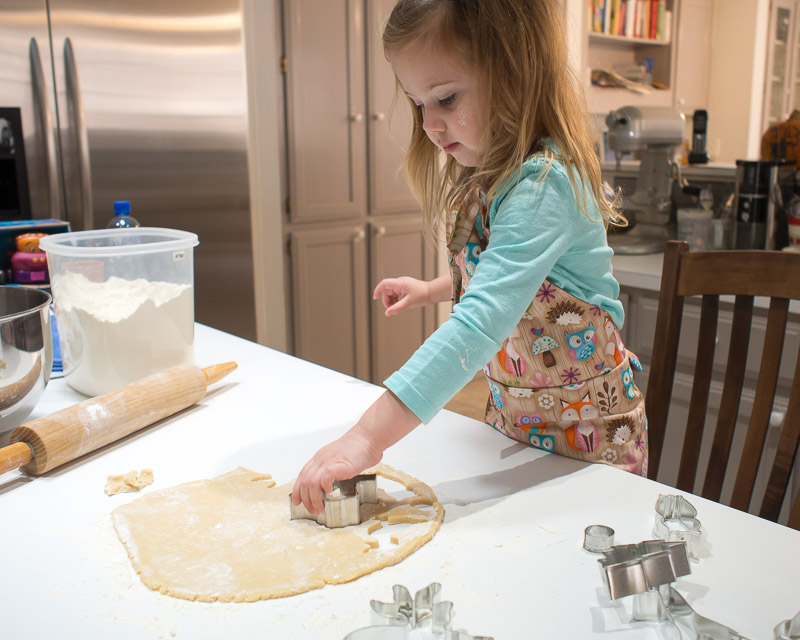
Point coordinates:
[[447, 94]]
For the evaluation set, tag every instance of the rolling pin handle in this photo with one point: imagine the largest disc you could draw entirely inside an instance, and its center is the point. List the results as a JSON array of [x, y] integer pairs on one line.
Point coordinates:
[[216, 372], [14, 456]]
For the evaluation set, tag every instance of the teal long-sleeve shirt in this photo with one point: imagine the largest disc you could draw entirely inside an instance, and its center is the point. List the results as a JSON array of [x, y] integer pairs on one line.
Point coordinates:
[[537, 231]]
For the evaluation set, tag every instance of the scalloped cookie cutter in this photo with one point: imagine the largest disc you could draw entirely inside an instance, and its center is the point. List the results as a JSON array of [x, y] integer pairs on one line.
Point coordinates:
[[635, 568], [342, 506]]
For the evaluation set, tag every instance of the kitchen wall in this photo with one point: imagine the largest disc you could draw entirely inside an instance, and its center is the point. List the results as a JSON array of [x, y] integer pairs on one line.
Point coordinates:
[[265, 148], [736, 90]]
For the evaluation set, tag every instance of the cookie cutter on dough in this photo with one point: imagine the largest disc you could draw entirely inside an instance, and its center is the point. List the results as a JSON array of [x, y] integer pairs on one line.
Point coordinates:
[[676, 521], [395, 620], [344, 509], [628, 569]]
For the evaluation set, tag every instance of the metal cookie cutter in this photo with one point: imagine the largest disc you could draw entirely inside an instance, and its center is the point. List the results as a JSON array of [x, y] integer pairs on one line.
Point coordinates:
[[344, 509], [598, 538], [666, 604], [635, 568], [395, 620], [676, 520], [788, 629]]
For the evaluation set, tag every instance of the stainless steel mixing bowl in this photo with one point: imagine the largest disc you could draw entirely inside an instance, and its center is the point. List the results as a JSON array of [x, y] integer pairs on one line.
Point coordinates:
[[26, 352]]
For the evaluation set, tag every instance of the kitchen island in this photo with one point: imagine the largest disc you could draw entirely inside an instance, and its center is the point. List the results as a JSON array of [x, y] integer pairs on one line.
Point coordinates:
[[509, 554]]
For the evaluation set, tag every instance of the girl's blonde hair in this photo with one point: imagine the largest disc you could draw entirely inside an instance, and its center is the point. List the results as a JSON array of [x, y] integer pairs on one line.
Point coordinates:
[[519, 53]]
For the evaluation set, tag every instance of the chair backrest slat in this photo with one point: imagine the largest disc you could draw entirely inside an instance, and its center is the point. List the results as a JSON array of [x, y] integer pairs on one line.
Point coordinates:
[[784, 457], [731, 394], [762, 405], [747, 273], [701, 387], [662, 365]]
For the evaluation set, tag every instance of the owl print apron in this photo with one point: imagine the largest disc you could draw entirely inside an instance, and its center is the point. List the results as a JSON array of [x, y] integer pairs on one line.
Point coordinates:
[[562, 380]]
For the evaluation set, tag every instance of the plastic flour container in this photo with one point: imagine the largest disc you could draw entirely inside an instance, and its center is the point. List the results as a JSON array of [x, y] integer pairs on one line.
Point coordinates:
[[124, 302]]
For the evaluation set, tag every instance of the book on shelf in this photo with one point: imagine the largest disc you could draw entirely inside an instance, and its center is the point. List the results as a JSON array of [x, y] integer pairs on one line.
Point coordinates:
[[630, 16]]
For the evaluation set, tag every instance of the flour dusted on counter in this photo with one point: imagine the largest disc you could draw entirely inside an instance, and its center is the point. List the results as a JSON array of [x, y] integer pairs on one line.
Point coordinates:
[[118, 331]]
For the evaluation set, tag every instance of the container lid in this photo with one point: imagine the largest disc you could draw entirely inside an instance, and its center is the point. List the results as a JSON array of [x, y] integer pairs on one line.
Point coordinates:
[[116, 242]]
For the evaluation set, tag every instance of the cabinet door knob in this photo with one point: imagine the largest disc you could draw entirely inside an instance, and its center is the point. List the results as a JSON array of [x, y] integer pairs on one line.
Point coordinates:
[[379, 116], [380, 231], [356, 117], [359, 235]]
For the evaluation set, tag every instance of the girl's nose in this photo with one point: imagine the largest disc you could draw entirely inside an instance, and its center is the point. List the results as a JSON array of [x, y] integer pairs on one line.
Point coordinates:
[[432, 123]]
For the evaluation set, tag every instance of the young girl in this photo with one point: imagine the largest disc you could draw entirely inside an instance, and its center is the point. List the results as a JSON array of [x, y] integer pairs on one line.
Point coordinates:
[[502, 149]]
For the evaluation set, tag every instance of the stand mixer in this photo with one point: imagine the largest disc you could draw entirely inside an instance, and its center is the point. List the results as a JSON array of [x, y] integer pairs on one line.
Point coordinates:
[[656, 133]]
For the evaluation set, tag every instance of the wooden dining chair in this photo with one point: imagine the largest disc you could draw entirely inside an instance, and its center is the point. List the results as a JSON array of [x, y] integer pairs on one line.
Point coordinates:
[[711, 274]]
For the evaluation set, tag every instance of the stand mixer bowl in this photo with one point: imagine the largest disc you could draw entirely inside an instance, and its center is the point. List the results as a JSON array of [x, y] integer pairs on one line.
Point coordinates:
[[26, 352]]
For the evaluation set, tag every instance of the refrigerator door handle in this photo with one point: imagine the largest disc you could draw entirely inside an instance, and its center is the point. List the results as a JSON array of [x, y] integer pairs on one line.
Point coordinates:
[[42, 106], [86, 220]]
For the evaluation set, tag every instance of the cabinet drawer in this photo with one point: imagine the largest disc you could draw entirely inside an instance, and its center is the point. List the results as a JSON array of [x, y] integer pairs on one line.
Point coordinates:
[[646, 312]]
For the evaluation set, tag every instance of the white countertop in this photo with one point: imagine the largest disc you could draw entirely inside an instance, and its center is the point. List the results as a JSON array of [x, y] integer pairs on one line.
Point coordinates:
[[508, 554], [639, 272], [715, 171]]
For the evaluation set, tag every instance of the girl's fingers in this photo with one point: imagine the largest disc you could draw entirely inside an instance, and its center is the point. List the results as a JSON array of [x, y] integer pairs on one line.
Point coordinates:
[[384, 286], [397, 307]]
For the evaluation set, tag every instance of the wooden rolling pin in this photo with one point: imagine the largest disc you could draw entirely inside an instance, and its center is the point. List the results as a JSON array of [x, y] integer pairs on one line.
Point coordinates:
[[45, 443]]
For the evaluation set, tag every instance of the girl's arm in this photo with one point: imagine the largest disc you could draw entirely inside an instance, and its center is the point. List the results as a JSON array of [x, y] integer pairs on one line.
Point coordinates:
[[383, 424], [400, 294]]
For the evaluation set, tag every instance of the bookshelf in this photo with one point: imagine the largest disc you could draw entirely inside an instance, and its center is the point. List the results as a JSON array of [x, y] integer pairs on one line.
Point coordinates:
[[613, 46], [627, 40]]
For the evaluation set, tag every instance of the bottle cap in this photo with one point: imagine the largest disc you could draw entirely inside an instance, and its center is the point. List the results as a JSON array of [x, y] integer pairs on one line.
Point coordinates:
[[122, 207]]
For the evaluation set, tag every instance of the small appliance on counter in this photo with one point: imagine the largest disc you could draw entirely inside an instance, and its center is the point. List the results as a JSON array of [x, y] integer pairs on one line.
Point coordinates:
[[698, 154], [763, 189], [655, 133]]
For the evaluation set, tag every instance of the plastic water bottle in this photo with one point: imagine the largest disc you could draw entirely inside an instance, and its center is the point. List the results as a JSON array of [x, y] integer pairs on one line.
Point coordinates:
[[122, 216]]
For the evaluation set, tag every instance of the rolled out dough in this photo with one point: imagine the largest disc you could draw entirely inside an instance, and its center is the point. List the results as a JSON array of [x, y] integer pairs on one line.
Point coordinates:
[[231, 539]]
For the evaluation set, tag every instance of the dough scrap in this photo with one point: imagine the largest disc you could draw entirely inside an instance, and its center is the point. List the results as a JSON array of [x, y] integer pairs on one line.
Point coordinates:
[[131, 481], [230, 539]]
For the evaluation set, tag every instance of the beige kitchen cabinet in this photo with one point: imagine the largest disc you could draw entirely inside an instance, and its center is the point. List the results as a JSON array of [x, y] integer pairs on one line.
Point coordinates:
[[351, 220], [329, 285], [397, 246]]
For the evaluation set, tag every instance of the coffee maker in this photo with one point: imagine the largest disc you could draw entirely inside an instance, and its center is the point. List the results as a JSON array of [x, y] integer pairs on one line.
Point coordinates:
[[763, 188], [655, 133]]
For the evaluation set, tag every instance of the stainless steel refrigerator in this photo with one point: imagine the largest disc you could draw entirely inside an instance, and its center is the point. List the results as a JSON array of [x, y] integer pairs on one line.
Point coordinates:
[[140, 100]]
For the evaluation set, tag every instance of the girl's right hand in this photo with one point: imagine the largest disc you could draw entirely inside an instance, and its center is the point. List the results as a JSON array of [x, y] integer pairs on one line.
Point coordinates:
[[399, 294]]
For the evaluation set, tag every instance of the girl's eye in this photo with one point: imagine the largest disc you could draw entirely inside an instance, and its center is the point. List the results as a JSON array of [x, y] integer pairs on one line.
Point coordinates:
[[448, 100]]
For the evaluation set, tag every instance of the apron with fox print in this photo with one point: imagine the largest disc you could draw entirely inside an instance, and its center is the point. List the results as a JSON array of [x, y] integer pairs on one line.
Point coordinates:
[[563, 380]]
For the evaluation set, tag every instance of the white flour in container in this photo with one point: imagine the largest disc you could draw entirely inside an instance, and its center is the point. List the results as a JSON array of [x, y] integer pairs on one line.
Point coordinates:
[[118, 331]]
